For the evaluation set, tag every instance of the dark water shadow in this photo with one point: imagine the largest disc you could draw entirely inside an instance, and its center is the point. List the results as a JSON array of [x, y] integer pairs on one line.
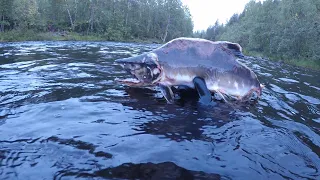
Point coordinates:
[[165, 170]]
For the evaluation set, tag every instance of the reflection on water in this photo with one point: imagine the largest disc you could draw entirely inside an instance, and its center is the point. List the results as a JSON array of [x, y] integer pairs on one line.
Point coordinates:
[[63, 116]]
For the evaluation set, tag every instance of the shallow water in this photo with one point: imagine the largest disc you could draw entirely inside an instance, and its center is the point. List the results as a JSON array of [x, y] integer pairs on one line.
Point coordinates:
[[62, 115]]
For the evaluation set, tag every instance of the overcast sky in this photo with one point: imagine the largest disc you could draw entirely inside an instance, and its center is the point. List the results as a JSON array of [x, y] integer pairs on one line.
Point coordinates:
[[206, 12]]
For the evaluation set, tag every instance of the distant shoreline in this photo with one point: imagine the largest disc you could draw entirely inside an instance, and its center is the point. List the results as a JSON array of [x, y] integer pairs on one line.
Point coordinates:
[[29, 35]]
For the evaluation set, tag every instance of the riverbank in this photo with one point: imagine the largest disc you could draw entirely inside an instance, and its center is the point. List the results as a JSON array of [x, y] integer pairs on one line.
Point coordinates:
[[308, 64], [29, 35]]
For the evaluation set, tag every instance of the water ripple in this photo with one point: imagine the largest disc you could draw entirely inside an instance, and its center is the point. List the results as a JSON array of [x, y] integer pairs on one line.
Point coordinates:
[[63, 116]]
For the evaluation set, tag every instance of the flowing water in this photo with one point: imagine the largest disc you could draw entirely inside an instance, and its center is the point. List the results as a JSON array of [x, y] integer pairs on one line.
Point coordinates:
[[63, 116]]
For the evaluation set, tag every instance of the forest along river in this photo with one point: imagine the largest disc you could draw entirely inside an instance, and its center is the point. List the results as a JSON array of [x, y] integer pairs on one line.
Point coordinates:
[[62, 115]]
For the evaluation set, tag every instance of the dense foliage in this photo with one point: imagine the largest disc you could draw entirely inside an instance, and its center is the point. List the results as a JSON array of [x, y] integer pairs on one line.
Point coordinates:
[[287, 29], [112, 19]]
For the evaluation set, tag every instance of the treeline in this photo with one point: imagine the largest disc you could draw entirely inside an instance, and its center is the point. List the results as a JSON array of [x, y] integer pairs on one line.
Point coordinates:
[[112, 19], [287, 29]]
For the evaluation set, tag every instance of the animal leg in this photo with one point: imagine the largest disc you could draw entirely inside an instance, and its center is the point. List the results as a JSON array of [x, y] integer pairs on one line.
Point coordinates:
[[203, 91], [167, 93]]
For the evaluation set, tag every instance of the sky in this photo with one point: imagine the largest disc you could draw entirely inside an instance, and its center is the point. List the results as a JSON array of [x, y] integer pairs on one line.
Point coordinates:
[[206, 12]]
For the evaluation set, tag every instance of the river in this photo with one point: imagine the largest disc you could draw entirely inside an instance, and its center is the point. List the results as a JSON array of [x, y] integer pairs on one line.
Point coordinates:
[[62, 116]]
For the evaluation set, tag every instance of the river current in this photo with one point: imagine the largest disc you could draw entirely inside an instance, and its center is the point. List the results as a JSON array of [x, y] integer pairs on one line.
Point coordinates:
[[63, 116]]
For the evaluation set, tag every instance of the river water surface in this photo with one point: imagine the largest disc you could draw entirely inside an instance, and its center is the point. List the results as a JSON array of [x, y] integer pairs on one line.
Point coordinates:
[[62, 116]]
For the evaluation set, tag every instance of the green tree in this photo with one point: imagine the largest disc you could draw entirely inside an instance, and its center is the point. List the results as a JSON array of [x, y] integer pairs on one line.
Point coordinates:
[[287, 29], [112, 19], [25, 13], [6, 7]]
